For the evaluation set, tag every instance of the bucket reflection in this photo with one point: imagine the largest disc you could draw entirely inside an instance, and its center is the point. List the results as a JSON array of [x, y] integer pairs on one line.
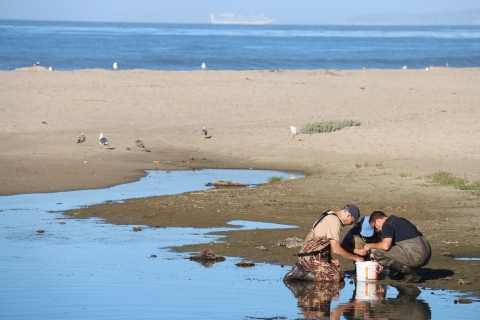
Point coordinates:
[[370, 301], [370, 291]]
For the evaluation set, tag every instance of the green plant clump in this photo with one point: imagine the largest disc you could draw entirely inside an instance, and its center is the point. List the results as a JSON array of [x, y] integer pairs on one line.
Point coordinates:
[[445, 178], [328, 126], [274, 179]]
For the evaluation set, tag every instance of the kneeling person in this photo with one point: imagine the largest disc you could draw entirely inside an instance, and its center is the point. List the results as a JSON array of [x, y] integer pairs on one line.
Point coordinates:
[[359, 236], [403, 248], [315, 256]]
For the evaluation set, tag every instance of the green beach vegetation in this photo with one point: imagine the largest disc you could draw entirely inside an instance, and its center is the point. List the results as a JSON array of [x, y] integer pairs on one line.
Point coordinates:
[[328, 126], [274, 179], [444, 178]]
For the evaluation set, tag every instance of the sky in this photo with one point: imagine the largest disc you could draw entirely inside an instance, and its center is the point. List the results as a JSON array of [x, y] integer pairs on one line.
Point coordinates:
[[198, 11]]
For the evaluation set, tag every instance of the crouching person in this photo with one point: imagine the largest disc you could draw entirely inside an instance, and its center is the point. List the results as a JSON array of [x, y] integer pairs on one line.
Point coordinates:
[[402, 249], [315, 257], [360, 235]]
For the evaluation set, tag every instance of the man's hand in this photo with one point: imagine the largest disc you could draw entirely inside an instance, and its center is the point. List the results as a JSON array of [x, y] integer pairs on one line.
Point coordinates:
[[359, 259], [360, 252], [336, 263], [367, 248]]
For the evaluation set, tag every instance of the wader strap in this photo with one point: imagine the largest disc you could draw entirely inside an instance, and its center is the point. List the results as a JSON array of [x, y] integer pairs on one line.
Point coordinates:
[[305, 254], [323, 215]]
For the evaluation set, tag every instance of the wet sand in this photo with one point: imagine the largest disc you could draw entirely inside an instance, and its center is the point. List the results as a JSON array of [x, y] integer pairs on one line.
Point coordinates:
[[413, 123]]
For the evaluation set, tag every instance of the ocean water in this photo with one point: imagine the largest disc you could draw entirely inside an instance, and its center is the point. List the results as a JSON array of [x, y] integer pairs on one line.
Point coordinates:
[[91, 45]]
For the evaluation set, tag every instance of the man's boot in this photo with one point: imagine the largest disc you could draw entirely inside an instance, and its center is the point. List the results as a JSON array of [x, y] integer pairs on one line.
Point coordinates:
[[410, 275], [299, 273], [404, 273], [397, 271]]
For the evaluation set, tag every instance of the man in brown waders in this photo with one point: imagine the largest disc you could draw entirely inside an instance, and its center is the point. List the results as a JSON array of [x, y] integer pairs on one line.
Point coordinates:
[[315, 257], [403, 248]]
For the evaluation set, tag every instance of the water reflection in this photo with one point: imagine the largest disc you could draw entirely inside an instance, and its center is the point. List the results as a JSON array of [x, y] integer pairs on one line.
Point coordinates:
[[314, 298], [369, 301], [375, 305]]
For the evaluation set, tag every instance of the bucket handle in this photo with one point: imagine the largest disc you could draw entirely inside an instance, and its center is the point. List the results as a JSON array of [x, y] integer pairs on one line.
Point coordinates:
[[373, 269]]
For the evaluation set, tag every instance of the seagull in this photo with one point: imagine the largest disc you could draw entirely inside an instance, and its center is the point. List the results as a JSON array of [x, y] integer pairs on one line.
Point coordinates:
[[50, 68], [426, 68], [103, 141], [204, 131], [139, 143], [404, 67], [294, 132], [81, 139], [36, 64], [115, 66], [447, 65], [204, 66]]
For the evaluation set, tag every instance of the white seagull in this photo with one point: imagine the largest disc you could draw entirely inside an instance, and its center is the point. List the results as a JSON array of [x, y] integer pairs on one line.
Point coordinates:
[[50, 68], [115, 66], [294, 132], [204, 131], [36, 64], [103, 141], [81, 139], [139, 143], [404, 67], [204, 66]]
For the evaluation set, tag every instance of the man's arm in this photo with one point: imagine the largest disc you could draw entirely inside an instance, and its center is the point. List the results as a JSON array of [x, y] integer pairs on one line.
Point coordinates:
[[347, 246], [385, 244], [337, 249]]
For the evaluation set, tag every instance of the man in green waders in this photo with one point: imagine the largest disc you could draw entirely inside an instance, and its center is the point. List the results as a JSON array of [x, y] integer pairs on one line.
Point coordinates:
[[403, 248]]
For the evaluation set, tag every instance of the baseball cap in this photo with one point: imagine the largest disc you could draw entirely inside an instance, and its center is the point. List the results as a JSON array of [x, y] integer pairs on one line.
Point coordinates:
[[366, 230], [354, 211]]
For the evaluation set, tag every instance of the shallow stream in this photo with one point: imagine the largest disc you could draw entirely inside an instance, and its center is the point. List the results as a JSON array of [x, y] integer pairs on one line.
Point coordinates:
[[87, 269]]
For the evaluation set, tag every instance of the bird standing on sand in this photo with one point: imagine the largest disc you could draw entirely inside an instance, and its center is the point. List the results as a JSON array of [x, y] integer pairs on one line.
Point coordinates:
[[204, 66], [404, 67], [139, 143], [50, 68], [204, 131], [115, 66], [294, 132], [36, 64], [81, 139], [103, 141]]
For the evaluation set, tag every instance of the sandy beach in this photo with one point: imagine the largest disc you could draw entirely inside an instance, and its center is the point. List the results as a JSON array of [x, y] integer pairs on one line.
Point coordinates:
[[413, 123]]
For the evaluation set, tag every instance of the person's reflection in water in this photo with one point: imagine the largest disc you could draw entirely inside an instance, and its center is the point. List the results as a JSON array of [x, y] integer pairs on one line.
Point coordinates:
[[404, 306], [365, 296], [314, 298]]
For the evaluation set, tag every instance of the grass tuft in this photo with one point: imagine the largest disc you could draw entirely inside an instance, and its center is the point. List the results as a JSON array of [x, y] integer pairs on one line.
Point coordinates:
[[327, 126], [445, 178], [274, 179]]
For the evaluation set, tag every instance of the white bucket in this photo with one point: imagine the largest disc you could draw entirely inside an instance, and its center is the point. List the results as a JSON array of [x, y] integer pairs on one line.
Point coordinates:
[[368, 291], [368, 270]]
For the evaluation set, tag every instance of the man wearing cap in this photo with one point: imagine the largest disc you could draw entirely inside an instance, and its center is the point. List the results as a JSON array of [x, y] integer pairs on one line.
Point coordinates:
[[359, 236], [315, 257], [403, 248]]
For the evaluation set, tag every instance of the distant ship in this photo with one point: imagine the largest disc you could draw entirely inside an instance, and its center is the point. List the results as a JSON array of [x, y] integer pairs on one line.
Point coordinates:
[[230, 18]]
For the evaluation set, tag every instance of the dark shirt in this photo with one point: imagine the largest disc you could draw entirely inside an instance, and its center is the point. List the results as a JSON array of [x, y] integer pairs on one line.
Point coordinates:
[[399, 229]]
